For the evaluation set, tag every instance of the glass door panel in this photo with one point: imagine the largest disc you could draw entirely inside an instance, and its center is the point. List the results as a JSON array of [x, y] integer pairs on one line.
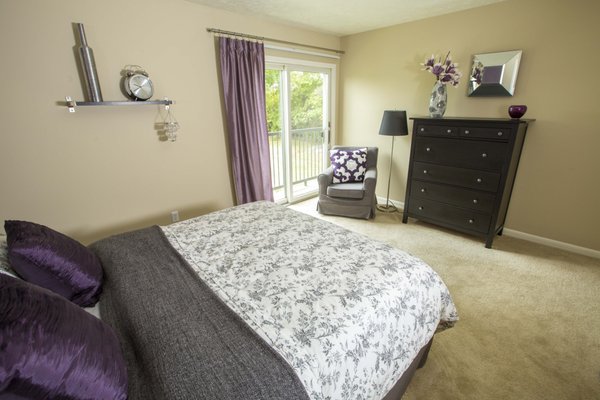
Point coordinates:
[[297, 100], [275, 122]]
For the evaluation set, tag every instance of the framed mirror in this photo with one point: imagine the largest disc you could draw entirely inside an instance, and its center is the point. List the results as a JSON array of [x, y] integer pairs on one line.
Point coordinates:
[[494, 74]]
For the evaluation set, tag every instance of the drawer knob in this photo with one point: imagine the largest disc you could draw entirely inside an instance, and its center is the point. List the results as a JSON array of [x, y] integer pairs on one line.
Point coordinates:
[[449, 130], [422, 129], [475, 201], [479, 180], [420, 207], [424, 171], [471, 220], [484, 155], [500, 133], [422, 190], [467, 132], [428, 149]]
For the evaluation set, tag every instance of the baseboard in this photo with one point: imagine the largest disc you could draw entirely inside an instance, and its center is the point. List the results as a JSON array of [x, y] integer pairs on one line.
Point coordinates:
[[552, 243], [399, 204], [524, 236]]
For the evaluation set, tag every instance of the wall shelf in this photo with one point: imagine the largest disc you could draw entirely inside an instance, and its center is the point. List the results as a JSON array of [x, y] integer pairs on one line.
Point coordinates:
[[75, 103]]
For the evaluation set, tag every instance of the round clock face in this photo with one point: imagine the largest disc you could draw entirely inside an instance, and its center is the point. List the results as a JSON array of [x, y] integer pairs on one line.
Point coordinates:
[[139, 86]]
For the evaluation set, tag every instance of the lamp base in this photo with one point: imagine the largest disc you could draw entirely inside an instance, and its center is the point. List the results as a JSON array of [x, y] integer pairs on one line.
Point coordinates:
[[387, 208]]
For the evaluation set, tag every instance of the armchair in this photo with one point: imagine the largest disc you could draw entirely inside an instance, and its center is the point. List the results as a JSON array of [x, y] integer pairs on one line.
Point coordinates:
[[356, 199]]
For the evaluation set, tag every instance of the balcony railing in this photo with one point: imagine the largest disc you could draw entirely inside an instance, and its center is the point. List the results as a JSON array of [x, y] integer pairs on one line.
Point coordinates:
[[306, 158]]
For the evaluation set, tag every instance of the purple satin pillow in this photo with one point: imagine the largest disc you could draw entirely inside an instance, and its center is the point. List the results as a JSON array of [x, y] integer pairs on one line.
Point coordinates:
[[54, 261], [53, 349]]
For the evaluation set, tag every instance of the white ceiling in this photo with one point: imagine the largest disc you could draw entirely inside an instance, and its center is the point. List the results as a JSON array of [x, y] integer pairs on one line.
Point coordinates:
[[344, 17]]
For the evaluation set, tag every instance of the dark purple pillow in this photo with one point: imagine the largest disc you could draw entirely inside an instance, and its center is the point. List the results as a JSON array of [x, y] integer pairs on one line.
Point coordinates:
[[52, 349], [52, 260], [348, 165]]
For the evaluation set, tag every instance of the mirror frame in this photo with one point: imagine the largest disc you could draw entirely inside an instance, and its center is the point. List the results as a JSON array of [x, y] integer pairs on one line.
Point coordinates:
[[494, 74]]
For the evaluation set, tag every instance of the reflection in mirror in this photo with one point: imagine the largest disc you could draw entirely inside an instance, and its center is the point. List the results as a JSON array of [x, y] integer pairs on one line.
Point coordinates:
[[494, 74]]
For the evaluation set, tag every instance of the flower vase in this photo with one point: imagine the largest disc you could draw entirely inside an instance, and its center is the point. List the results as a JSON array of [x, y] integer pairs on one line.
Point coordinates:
[[438, 100]]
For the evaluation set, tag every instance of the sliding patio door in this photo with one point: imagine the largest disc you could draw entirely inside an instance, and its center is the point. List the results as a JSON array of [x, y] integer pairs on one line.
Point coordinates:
[[298, 100]]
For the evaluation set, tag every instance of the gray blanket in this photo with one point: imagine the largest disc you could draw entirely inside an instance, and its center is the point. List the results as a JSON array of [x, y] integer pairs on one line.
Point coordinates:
[[179, 340]]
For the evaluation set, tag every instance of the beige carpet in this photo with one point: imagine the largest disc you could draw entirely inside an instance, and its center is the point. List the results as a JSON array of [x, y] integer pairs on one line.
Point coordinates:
[[530, 314]]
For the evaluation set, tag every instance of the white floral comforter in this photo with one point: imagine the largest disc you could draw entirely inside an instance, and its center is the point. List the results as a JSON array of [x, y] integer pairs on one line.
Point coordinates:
[[349, 314]]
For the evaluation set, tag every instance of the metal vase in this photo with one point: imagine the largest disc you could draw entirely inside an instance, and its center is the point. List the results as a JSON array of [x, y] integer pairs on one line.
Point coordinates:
[[88, 66]]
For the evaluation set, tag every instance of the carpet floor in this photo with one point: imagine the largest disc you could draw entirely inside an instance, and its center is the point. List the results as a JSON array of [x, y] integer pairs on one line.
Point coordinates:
[[529, 314]]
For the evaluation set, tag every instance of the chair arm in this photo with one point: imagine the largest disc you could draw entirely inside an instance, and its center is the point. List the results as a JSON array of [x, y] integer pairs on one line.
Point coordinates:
[[370, 180], [325, 179]]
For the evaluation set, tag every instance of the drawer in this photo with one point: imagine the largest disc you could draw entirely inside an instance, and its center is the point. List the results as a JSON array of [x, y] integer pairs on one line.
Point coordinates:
[[455, 216], [465, 198], [477, 154], [468, 178], [436, 130], [501, 133]]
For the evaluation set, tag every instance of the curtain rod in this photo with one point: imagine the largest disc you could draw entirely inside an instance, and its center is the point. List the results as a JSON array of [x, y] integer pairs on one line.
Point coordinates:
[[245, 35]]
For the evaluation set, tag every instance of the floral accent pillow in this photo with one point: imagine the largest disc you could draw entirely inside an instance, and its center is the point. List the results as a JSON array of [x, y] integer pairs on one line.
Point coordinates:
[[348, 165]]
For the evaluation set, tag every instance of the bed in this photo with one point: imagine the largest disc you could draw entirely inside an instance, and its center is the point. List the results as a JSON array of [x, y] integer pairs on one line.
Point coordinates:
[[263, 302]]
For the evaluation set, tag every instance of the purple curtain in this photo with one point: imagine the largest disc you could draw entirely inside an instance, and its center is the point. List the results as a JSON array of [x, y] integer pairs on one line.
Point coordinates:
[[243, 76]]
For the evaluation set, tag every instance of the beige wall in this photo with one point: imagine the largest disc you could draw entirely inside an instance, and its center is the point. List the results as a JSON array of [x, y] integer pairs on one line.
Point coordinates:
[[103, 170], [557, 190]]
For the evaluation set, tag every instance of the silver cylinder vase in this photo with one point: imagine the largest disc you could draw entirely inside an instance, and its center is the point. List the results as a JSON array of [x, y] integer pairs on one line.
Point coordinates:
[[88, 66]]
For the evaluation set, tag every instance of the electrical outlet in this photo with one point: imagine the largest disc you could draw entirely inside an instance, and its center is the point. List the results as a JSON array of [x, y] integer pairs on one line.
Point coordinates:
[[174, 216]]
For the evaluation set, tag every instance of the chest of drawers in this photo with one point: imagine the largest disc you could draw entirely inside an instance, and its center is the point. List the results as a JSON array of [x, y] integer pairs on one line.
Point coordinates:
[[462, 171]]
